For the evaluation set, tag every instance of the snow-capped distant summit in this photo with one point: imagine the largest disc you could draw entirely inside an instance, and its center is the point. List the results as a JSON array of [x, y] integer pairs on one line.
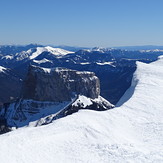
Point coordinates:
[[33, 53], [70, 48], [98, 49], [58, 51], [153, 50]]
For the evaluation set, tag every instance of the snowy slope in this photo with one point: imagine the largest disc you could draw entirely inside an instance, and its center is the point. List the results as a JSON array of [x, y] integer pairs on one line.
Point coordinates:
[[132, 132], [42, 61], [23, 112], [55, 51], [2, 69]]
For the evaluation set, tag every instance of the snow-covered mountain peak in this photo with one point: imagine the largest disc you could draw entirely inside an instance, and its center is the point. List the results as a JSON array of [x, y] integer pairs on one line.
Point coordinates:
[[99, 49], [35, 52], [38, 51], [57, 51]]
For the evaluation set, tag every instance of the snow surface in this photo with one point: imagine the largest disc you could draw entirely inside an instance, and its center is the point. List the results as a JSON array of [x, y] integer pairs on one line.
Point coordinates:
[[2, 69], [132, 132], [154, 50], [30, 115], [60, 69], [47, 70], [85, 63], [54, 51], [42, 61], [84, 72], [7, 57], [85, 100], [77, 101], [105, 63]]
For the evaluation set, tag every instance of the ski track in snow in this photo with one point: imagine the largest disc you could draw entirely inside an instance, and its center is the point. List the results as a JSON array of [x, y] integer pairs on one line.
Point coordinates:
[[132, 132]]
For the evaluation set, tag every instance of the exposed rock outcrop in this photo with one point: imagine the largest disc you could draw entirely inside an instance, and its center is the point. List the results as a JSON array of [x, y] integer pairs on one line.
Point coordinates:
[[59, 84], [3, 126], [81, 102]]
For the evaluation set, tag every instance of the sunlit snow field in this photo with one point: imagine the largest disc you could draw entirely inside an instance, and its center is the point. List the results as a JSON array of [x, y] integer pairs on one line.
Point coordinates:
[[132, 132]]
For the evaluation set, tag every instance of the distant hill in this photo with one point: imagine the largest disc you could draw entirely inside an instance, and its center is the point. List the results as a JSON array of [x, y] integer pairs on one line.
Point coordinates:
[[144, 47], [71, 48]]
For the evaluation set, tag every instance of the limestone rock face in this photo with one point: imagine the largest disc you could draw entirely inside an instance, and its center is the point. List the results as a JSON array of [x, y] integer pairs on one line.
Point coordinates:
[[50, 94], [59, 84]]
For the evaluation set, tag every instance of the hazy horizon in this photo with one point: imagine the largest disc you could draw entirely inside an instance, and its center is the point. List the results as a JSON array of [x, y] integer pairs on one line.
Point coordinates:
[[81, 46]]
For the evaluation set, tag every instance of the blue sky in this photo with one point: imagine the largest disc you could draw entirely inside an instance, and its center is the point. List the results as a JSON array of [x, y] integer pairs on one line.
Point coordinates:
[[103, 23]]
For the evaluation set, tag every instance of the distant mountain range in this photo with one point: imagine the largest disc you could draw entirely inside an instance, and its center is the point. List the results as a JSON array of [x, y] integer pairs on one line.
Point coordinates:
[[132, 48], [114, 67], [143, 47], [70, 48], [8, 49]]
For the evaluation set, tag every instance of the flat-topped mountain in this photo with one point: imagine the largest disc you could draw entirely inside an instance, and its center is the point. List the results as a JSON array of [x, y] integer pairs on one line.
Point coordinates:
[[52, 93], [59, 84]]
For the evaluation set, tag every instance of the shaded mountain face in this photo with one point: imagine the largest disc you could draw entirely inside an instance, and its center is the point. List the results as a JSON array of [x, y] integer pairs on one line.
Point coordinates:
[[49, 94], [113, 67], [10, 85]]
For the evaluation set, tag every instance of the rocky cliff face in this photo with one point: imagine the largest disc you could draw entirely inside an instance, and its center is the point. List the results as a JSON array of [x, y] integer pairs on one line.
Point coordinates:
[[49, 94], [59, 84], [10, 85]]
